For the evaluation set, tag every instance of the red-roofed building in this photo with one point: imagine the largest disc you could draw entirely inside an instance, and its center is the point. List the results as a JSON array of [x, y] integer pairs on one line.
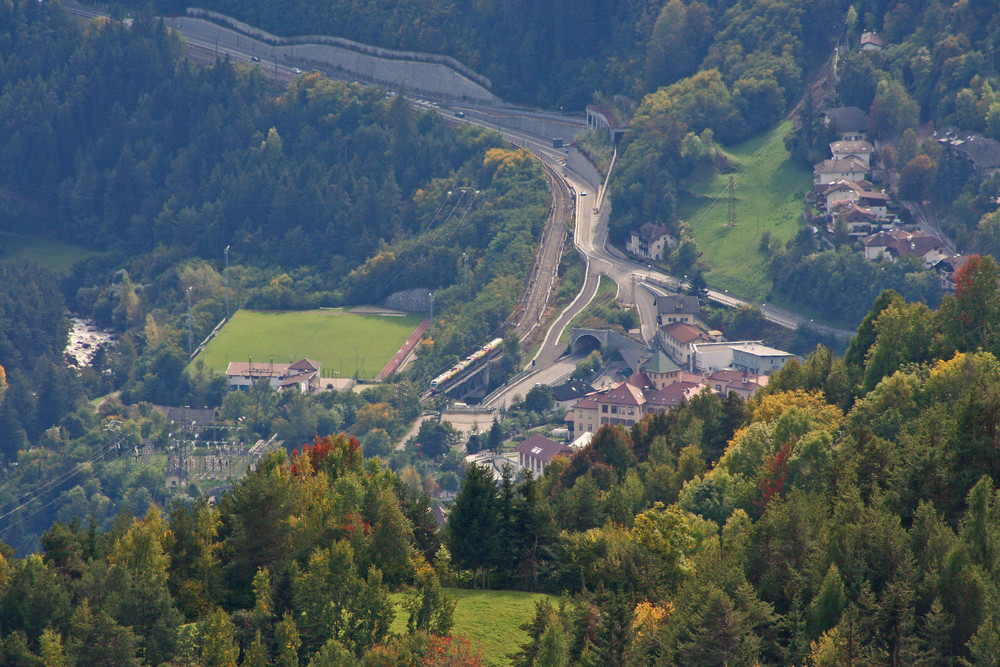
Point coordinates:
[[536, 451], [871, 41], [662, 400], [742, 383], [622, 405], [625, 404], [304, 375], [677, 339]]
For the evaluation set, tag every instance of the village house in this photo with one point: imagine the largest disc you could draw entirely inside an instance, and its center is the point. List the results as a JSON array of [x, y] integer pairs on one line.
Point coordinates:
[[721, 356], [898, 243], [622, 404], [570, 391], [536, 452], [850, 123], [946, 269], [650, 241], [833, 170], [859, 221], [742, 383], [677, 339], [860, 150], [678, 308], [872, 41], [668, 398], [304, 375], [983, 153], [829, 195], [626, 403]]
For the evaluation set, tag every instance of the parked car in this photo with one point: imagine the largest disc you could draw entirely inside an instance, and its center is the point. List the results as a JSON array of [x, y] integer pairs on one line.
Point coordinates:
[[255, 59]]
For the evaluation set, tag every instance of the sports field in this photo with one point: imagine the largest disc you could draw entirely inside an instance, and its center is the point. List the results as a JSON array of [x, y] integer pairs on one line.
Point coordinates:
[[348, 343]]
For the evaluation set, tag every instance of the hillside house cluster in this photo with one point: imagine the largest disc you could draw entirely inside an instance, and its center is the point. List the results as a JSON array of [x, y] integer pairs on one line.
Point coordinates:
[[655, 386], [841, 189], [842, 192]]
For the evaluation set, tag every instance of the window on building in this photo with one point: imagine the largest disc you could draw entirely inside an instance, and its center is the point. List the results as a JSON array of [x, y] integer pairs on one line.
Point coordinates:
[[631, 411], [614, 409], [604, 408]]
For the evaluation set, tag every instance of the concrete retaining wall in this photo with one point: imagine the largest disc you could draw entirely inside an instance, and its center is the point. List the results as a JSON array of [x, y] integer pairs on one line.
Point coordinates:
[[542, 125], [391, 54], [579, 163], [420, 74]]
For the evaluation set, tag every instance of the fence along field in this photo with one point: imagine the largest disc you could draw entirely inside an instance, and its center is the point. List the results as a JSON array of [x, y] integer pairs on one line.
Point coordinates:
[[345, 343]]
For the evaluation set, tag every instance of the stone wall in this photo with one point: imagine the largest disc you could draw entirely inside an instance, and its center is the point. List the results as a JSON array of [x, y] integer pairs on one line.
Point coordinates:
[[416, 300]]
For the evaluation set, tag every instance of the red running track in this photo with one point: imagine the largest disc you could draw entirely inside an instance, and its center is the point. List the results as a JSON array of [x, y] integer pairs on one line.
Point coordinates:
[[404, 351]]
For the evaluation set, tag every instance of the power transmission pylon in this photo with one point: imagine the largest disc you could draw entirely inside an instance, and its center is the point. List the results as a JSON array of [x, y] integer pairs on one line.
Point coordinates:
[[731, 220]]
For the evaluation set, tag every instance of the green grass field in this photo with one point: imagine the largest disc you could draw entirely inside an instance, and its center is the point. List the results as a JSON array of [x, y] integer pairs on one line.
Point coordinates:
[[49, 254], [341, 341], [769, 191], [491, 620]]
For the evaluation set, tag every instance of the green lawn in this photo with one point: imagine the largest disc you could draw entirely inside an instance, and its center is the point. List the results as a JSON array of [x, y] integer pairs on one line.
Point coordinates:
[[491, 620], [769, 192], [341, 341], [49, 254]]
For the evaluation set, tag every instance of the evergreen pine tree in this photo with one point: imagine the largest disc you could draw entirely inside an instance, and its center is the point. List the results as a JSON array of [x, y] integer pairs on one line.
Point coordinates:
[[473, 520]]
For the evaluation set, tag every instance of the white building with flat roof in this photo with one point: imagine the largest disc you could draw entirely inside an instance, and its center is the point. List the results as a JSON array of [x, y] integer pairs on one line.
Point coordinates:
[[758, 358], [711, 357]]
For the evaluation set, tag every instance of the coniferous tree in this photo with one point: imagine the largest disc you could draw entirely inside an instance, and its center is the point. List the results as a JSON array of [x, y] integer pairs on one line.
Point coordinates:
[[473, 521]]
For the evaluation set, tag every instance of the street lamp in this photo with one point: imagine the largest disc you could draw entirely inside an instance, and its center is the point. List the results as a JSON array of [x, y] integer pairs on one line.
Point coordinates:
[[227, 283], [190, 326]]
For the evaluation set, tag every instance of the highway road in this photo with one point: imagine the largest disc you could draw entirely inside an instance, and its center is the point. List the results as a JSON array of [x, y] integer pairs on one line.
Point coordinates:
[[589, 214]]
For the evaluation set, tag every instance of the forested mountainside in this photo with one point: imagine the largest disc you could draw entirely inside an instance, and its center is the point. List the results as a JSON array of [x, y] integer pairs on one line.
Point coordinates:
[[553, 54], [326, 194], [710, 74], [846, 515], [556, 54]]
